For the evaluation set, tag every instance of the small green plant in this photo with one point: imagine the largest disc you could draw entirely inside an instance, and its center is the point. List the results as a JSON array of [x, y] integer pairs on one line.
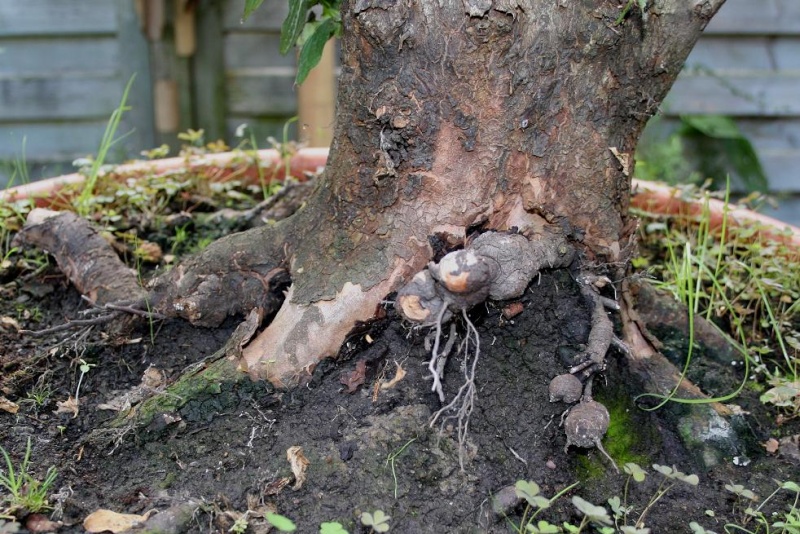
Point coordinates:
[[240, 525], [84, 200], [84, 369], [592, 515], [332, 527], [283, 524], [378, 520], [39, 395], [535, 504], [784, 522], [26, 494], [390, 461]]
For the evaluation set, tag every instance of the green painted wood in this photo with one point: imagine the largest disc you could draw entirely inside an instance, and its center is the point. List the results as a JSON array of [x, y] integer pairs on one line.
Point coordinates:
[[764, 17], [57, 17], [262, 95], [269, 16], [48, 141], [79, 98], [209, 71], [255, 50], [768, 95], [134, 62], [58, 56]]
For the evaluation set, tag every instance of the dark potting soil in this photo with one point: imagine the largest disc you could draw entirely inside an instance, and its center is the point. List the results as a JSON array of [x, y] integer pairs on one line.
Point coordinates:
[[369, 449]]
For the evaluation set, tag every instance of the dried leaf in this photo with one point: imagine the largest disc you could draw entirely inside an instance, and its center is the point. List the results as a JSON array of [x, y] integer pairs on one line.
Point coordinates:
[[9, 323], [103, 520], [153, 378], [276, 486], [771, 445], [8, 406], [299, 465], [68, 406], [40, 523], [399, 374], [355, 378], [149, 252]]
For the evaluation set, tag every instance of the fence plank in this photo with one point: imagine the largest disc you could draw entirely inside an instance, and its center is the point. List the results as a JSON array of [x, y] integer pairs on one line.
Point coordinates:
[[60, 17], [55, 56], [769, 95], [58, 98], [50, 141], [269, 16], [261, 95], [765, 17]]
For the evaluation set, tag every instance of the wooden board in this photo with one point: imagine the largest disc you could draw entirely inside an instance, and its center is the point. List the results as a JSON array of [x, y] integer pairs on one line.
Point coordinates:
[[58, 55], [57, 17], [59, 98], [262, 95], [745, 54], [269, 16], [50, 141], [770, 95], [246, 50], [765, 17]]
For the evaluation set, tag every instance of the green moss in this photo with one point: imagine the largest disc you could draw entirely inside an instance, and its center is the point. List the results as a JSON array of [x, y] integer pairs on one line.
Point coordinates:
[[627, 440]]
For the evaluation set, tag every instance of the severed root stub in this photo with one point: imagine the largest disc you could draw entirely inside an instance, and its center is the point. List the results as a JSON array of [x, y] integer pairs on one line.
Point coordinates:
[[586, 424]]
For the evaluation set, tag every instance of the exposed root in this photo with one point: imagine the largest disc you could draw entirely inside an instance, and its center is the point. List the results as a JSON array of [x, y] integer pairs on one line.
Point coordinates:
[[439, 359], [464, 401], [600, 335]]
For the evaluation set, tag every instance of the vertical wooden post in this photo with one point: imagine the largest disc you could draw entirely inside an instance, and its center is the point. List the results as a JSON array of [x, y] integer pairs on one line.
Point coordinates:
[[316, 99]]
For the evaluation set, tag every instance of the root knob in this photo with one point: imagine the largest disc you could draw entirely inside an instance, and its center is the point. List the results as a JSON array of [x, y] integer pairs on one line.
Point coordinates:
[[463, 272], [586, 424], [565, 388]]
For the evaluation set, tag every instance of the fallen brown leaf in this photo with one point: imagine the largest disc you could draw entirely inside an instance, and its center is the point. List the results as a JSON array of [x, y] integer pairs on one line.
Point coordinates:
[[354, 378], [299, 464], [68, 406], [40, 523], [103, 520], [771, 445], [8, 406], [9, 323]]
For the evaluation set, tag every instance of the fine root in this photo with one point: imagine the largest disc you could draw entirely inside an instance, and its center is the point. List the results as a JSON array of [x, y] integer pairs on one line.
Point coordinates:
[[460, 408]]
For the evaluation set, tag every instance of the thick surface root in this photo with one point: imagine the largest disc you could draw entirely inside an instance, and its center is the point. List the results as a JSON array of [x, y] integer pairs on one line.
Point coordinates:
[[300, 336]]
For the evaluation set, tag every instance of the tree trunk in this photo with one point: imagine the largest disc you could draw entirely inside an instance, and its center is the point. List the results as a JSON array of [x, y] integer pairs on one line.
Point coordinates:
[[453, 117]]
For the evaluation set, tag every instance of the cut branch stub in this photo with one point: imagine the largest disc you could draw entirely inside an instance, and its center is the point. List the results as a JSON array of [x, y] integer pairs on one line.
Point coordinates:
[[419, 301]]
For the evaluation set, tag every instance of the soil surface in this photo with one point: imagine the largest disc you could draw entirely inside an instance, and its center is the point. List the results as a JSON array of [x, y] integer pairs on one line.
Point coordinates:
[[368, 448]]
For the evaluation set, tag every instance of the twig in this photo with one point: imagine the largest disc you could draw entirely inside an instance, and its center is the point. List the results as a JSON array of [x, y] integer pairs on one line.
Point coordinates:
[[69, 325]]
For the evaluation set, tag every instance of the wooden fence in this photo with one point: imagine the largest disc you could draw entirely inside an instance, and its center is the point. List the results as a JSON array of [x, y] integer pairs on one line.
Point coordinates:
[[64, 63]]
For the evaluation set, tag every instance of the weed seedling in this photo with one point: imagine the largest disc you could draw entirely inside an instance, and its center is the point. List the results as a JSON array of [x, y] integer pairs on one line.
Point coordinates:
[[535, 503], [378, 520], [332, 527], [787, 522], [84, 368], [391, 459], [283, 524], [25, 492]]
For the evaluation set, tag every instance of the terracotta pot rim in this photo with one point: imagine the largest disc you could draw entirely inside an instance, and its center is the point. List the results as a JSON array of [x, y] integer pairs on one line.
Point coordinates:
[[646, 195]]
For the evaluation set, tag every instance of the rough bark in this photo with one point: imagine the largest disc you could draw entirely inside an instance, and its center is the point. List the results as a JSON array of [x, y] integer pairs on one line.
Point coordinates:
[[452, 116]]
